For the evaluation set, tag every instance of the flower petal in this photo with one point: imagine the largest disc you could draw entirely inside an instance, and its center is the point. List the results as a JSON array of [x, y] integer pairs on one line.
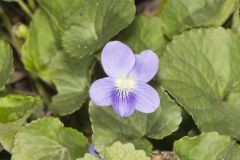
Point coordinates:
[[147, 98], [92, 151], [117, 59], [146, 66], [123, 105], [101, 91]]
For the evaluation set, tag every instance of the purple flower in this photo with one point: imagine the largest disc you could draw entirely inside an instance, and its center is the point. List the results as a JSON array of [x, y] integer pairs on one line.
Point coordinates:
[[126, 88], [92, 150]]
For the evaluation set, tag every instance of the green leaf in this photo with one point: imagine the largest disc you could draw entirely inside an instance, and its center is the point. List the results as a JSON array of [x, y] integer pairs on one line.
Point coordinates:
[[201, 69], [95, 23], [40, 47], [135, 129], [144, 33], [6, 63], [14, 111], [71, 78], [9, 130], [59, 13], [232, 153], [119, 151], [48, 139], [14, 107], [42, 58], [180, 15], [207, 146], [87, 25], [88, 156]]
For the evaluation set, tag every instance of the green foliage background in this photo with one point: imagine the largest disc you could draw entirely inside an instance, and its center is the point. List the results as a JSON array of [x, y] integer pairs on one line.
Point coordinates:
[[58, 47]]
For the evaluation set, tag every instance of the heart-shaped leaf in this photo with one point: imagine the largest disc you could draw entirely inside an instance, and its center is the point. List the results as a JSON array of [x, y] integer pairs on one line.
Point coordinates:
[[137, 128], [48, 139], [71, 77], [9, 130], [14, 107], [201, 69], [14, 111], [88, 25], [207, 146], [119, 151], [180, 15]]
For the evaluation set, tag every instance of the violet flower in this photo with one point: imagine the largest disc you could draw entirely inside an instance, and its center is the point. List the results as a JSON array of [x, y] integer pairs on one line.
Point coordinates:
[[92, 151], [126, 88]]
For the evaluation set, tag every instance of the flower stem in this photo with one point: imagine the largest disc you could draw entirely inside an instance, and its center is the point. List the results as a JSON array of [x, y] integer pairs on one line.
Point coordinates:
[[8, 25], [25, 8], [32, 4], [42, 92], [5, 20]]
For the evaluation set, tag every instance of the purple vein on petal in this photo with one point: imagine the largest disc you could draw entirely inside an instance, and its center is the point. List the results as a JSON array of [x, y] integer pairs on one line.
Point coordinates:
[[123, 104]]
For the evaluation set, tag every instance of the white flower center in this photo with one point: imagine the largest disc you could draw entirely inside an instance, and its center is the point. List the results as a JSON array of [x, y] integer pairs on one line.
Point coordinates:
[[126, 84]]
